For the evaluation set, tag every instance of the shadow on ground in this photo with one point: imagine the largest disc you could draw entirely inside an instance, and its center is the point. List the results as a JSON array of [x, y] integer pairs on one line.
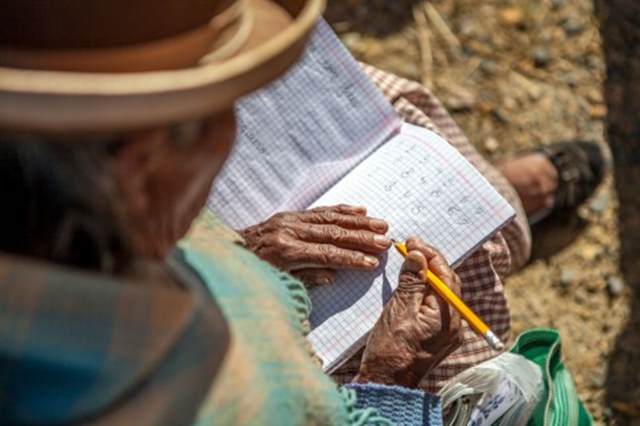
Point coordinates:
[[554, 234], [374, 17], [620, 27]]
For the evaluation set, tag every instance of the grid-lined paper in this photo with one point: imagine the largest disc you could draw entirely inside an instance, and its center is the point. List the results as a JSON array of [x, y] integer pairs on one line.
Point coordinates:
[[422, 186], [301, 134], [326, 129]]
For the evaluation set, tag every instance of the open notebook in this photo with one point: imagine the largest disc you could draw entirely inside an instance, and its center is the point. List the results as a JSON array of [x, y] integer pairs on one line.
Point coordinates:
[[324, 135]]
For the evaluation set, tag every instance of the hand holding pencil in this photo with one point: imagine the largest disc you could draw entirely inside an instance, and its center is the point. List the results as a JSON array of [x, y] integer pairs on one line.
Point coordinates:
[[435, 279], [417, 328]]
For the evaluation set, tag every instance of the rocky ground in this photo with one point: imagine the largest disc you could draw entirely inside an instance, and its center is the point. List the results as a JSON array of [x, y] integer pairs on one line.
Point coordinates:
[[517, 74]]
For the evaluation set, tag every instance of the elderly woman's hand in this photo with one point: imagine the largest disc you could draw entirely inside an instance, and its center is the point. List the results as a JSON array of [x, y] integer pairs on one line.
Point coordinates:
[[417, 328], [313, 244]]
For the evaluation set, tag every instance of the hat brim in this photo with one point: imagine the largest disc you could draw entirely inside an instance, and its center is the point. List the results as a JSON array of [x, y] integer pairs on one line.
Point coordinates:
[[76, 102]]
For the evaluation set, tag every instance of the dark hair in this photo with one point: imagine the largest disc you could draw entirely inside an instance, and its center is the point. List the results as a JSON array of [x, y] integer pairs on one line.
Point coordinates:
[[60, 204]]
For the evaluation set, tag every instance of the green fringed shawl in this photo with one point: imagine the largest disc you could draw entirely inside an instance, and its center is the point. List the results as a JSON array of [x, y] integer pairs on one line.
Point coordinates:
[[270, 376]]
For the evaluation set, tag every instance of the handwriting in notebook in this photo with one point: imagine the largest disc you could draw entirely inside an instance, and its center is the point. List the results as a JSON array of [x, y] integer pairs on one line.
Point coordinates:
[[301, 134], [421, 186], [325, 129]]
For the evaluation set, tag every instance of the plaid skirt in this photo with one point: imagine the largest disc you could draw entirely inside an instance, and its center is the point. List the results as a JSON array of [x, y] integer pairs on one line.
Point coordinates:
[[482, 273]]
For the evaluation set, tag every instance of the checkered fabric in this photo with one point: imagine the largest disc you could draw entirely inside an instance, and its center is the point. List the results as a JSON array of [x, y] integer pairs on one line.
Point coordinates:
[[83, 348], [482, 274]]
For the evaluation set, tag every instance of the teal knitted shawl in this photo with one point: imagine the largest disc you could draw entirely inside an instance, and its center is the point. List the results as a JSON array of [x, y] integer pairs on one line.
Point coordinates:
[[270, 376]]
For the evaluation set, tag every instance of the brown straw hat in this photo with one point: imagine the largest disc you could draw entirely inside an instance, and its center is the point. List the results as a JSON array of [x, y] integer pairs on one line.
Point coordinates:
[[76, 66]]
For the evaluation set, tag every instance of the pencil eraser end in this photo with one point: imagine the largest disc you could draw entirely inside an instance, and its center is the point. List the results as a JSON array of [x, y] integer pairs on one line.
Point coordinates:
[[494, 341]]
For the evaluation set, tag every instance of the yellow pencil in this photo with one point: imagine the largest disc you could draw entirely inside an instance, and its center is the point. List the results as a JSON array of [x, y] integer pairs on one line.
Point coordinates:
[[450, 297]]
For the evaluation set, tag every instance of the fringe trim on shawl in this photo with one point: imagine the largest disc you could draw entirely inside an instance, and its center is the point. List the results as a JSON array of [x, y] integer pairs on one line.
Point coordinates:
[[299, 299], [301, 305], [302, 309]]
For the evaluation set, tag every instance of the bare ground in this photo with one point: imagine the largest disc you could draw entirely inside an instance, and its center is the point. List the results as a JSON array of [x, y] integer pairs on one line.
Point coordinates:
[[517, 74]]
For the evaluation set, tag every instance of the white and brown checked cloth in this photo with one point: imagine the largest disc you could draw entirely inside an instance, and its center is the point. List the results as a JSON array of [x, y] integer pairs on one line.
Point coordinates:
[[482, 274]]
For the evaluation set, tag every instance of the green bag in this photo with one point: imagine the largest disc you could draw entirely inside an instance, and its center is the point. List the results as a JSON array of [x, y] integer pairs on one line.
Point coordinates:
[[560, 405]]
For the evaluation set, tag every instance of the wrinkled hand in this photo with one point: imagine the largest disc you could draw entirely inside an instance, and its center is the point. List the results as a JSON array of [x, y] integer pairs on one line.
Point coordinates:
[[417, 328], [313, 244]]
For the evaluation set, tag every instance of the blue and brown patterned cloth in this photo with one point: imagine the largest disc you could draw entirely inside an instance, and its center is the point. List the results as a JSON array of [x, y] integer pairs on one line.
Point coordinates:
[[89, 349]]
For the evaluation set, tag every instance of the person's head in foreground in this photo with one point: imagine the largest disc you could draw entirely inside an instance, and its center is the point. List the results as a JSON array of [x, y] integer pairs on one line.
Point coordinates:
[[114, 121]]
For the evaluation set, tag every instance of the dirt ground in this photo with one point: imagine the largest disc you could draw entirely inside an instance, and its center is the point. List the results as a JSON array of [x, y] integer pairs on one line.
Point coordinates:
[[517, 74]]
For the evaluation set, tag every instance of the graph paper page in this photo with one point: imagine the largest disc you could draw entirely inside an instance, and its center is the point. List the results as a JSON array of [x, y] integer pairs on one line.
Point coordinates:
[[300, 135], [421, 186]]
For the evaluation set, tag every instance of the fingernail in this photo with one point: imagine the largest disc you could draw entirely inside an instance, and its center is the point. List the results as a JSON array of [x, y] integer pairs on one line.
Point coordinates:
[[382, 241], [414, 261], [379, 225], [360, 209], [371, 261]]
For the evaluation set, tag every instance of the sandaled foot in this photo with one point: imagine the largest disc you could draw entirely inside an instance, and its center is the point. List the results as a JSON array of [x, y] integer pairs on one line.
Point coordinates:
[[557, 177], [581, 167]]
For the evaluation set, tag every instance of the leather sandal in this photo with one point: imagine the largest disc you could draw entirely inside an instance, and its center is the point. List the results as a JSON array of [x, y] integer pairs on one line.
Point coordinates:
[[581, 168]]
